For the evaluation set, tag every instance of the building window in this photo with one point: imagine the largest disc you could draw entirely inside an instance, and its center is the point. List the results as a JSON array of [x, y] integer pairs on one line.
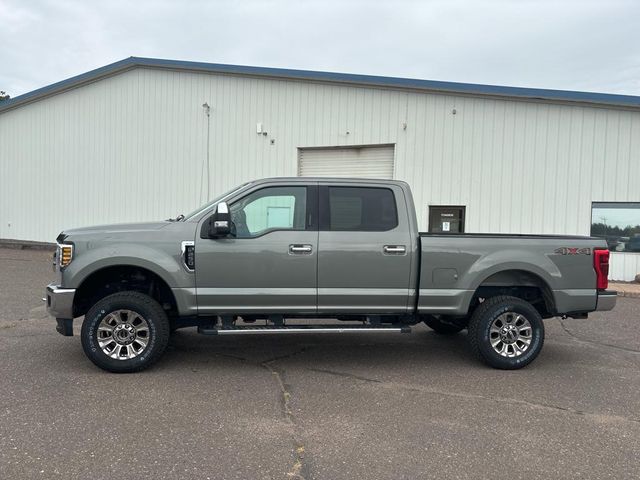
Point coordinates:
[[446, 219], [618, 223]]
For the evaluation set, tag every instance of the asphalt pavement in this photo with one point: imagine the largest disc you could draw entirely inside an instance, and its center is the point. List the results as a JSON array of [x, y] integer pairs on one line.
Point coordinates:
[[371, 406]]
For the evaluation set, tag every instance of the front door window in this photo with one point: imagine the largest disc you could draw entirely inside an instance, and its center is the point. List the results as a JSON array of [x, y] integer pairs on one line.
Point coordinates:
[[270, 209]]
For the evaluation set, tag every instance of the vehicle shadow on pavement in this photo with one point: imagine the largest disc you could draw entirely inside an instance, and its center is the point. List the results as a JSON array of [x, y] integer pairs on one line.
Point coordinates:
[[420, 348]]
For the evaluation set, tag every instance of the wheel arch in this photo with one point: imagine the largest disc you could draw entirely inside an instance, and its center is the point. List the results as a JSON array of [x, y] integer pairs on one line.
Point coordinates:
[[111, 279], [520, 282]]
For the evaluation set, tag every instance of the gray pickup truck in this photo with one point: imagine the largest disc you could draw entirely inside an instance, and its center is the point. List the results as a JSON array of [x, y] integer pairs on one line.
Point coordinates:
[[270, 253]]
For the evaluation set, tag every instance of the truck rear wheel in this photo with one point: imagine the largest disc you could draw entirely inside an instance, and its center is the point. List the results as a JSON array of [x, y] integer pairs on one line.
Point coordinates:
[[506, 332], [442, 325], [125, 332]]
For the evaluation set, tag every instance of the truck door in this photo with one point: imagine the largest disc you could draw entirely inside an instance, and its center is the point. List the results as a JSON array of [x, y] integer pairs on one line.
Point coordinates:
[[270, 265], [364, 261]]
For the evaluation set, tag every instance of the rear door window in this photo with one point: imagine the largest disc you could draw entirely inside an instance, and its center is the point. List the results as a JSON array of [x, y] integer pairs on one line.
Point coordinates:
[[361, 209]]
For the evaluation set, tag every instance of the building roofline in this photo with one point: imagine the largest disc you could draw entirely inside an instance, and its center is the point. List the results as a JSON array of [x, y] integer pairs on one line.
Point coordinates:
[[605, 99]]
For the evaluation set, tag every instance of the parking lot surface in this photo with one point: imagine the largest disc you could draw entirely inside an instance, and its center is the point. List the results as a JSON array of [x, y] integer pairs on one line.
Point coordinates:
[[315, 406]]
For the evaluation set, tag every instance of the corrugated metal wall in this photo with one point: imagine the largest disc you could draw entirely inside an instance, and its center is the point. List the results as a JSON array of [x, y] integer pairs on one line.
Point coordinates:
[[134, 147]]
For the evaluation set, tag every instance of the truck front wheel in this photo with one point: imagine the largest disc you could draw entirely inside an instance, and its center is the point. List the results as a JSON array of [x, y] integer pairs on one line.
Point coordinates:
[[506, 332], [125, 332]]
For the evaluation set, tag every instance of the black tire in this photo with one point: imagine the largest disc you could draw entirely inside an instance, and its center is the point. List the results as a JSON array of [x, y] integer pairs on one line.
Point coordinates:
[[156, 335], [443, 325], [480, 335]]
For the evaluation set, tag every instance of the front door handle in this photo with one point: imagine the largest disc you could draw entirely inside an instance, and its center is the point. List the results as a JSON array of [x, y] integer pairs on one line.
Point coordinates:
[[300, 249], [394, 249]]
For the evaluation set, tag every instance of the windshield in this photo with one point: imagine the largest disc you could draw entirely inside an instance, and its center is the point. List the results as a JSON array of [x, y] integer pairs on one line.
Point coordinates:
[[213, 202]]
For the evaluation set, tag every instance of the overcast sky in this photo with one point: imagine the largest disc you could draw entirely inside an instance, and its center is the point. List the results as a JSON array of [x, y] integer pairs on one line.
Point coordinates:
[[573, 45]]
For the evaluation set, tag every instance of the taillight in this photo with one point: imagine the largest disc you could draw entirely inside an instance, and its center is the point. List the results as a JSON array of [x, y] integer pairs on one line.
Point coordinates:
[[601, 266]]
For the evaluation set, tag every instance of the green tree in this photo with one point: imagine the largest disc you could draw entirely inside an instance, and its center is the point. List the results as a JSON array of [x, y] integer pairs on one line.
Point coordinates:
[[4, 96]]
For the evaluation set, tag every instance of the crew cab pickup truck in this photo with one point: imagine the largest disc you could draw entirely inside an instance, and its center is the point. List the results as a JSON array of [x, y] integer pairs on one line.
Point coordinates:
[[272, 252]]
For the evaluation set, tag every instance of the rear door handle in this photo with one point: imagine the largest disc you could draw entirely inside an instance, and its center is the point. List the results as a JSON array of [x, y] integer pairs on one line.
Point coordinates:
[[300, 249], [394, 249]]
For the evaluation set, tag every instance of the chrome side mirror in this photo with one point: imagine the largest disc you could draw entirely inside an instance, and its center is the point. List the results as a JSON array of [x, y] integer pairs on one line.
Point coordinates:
[[220, 223]]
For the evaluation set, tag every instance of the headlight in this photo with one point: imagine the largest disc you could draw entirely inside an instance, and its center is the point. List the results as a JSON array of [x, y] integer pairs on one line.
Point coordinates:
[[65, 254]]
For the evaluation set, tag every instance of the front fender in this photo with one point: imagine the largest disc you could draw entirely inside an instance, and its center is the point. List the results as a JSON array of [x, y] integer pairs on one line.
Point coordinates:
[[167, 266]]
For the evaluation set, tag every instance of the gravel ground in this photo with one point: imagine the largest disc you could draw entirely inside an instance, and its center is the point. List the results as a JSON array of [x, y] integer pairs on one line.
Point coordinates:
[[314, 407]]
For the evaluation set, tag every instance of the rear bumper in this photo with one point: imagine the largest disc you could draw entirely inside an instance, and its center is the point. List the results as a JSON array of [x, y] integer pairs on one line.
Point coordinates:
[[60, 301], [606, 300]]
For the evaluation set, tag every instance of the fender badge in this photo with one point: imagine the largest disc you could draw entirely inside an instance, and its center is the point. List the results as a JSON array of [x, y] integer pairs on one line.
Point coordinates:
[[572, 251]]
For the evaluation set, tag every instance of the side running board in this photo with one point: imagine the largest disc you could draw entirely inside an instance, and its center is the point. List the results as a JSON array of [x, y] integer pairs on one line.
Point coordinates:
[[269, 329]]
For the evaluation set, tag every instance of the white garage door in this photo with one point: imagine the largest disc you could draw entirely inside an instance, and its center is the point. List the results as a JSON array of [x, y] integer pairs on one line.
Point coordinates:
[[362, 162]]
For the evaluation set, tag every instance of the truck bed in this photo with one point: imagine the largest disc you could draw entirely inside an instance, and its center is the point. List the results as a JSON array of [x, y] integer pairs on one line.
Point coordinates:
[[454, 266]]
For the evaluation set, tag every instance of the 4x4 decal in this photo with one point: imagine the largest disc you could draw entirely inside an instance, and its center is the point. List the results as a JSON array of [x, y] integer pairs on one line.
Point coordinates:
[[572, 251]]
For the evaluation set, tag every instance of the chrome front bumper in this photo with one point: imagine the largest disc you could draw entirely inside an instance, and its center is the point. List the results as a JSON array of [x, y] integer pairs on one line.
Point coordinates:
[[60, 301], [606, 300]]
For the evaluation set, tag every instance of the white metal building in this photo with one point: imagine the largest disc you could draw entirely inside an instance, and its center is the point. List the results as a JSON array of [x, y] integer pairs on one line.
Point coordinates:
[[146, 139]]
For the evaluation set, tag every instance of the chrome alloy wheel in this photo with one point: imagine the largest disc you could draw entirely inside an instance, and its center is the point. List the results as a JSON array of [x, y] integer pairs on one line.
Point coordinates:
[[510, 334], [123, 334]]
